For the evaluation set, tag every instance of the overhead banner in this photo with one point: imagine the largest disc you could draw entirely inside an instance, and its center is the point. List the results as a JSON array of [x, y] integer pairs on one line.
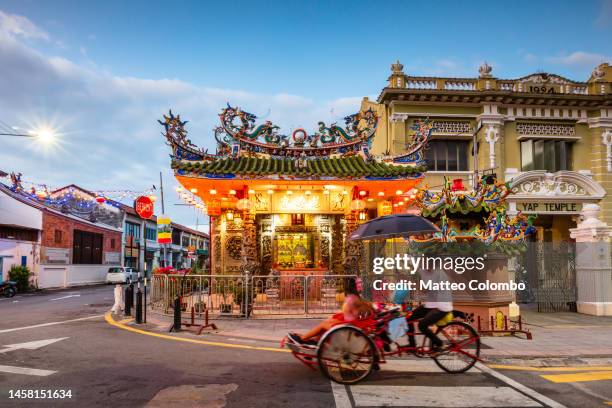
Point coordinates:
[[164, 230]]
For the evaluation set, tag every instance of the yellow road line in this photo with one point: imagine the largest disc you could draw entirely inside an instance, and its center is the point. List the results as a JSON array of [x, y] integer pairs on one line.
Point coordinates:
[[109, 319], [123, 321], [608, 403], [548, 369], [579, 377]]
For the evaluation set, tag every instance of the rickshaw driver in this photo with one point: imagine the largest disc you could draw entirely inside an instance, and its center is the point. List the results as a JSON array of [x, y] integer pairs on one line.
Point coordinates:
[[437, 306]]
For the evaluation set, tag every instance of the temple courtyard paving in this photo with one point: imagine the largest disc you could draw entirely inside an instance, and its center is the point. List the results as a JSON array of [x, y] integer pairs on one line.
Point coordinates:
[[65, 340]]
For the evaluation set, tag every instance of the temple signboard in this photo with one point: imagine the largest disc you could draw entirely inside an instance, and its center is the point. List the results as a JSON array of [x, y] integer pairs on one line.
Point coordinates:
[[550, 207], [314, 203]]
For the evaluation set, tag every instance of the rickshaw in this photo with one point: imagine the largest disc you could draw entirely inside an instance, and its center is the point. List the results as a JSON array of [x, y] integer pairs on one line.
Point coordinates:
[[349, 352]]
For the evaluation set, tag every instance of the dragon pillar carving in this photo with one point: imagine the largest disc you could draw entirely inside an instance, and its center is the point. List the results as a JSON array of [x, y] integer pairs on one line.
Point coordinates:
[[249, 260]]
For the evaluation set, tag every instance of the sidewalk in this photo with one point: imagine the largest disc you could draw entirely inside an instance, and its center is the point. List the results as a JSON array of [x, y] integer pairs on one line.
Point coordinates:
[[567, 336]]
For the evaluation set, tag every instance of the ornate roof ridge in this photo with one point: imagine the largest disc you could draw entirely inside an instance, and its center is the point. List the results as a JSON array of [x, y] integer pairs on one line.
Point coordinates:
[[476, 78], [239, 136]]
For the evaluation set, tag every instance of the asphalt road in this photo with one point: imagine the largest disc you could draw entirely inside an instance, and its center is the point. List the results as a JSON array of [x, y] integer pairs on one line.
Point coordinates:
[[103, 365]]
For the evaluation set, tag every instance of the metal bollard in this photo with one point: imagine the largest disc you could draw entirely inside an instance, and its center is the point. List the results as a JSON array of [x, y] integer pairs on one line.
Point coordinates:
[[177, 315], [139, 302], [139, 307], [128, 301], [145, 300]]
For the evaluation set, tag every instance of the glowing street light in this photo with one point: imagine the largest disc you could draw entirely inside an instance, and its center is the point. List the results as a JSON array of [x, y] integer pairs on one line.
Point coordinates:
[[44, 134]]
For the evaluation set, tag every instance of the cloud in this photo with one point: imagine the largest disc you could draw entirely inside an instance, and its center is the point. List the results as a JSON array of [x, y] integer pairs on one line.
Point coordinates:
[[580, 59], [110, 138], [21, 26]]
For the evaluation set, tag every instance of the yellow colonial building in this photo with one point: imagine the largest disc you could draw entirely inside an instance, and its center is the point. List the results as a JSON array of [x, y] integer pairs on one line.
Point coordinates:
[[550, 136]]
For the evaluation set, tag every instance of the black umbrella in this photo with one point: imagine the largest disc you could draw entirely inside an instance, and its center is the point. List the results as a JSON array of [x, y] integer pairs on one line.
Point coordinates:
[[393, 226]]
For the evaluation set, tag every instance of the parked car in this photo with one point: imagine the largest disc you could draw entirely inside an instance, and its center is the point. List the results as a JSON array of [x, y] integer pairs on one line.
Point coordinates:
[[119, 274]]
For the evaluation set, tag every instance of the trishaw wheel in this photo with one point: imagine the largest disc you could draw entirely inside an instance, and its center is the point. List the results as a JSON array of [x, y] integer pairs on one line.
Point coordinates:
[[346, 355], [461, 347]]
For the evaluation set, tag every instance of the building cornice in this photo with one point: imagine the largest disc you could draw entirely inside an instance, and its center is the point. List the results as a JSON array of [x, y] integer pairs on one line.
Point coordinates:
[[409, 96]]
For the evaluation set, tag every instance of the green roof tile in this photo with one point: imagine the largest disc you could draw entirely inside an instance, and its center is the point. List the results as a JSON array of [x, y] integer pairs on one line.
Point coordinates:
[[353, 166]]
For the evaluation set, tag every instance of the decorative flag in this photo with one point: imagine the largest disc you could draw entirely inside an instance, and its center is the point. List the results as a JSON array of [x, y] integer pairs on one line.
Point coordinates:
[[164, 230]]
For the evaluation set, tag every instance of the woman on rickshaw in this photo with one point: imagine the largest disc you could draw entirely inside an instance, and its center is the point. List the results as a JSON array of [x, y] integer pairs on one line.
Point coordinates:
[[354, 308]]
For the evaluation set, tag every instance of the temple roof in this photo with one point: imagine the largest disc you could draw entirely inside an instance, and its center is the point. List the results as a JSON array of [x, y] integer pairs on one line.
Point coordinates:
[[352, 166], [254, 151]]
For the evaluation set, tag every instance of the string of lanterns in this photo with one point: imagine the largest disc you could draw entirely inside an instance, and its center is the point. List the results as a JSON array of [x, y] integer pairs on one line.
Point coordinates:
[[79, 200], [189, 198]]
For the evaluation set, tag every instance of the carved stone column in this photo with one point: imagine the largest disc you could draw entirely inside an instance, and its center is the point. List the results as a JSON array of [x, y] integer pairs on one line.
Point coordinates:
[[606, 139], [353, 250], [491, 137], [249, 261], [337, 246]]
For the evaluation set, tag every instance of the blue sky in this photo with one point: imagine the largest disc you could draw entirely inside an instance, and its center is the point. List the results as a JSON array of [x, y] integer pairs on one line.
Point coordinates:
[[103, 72]]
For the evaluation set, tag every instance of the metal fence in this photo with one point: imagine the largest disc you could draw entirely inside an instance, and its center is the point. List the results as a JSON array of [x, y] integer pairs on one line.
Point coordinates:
[[548, 271], [244, 295]]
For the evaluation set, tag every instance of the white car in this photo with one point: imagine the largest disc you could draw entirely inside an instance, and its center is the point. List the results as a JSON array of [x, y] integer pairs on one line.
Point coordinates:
[[118, 274]]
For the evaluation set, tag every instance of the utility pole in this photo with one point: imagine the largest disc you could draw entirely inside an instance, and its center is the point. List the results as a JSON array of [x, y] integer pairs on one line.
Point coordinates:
[[161, 188]]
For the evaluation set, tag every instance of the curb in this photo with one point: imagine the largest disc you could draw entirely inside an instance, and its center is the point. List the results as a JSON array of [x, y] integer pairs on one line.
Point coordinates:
[[111, 321]]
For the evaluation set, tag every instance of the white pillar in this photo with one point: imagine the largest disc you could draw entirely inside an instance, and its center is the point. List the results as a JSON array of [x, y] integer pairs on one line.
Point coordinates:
[[593, 263]]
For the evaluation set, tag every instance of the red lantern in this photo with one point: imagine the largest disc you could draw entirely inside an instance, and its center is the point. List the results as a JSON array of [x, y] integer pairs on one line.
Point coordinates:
[[100, 200], [457, 185]]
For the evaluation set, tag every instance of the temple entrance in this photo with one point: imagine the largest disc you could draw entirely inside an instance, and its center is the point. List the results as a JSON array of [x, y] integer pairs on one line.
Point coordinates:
[[299, 243], [295, 250]]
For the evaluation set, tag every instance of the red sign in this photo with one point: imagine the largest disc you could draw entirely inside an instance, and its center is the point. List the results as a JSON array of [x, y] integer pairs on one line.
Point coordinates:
[[144, 207]]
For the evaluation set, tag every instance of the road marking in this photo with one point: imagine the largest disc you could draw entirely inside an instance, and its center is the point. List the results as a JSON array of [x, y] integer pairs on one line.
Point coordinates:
[[25, 371], [418, 366], [49, 324], [520, 387], [432, 396], [548, 369], [242, 340], [579, 377], [31, 345], [341, 396], [109, 319], [64, 297], [127, 319]]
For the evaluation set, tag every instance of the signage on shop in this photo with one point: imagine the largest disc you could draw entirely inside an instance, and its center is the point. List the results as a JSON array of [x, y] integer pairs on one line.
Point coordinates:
[[549, 207], [144, 207]]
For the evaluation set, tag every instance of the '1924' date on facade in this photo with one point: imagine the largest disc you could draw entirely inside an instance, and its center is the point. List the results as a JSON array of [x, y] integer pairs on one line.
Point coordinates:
[[543, 89]]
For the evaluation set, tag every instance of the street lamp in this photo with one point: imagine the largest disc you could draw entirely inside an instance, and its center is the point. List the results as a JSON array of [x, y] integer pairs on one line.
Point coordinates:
[[45, 135]]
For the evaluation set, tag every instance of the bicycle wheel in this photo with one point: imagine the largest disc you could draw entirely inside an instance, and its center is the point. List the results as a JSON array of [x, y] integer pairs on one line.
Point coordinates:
[[461, 345], [346, 355]]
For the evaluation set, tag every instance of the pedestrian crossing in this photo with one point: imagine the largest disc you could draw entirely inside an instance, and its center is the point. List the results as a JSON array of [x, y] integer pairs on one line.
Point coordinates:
[[420, 383]]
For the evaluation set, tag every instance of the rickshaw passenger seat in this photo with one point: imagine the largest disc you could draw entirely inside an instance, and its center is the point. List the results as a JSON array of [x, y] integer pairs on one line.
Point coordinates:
[[446, 319]]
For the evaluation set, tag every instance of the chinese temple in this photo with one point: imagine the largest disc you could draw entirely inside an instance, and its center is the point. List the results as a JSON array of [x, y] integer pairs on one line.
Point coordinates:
[[286, 202]]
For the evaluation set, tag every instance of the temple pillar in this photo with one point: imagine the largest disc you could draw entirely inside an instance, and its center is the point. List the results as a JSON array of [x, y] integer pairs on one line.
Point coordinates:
[[337, 246], [593, 263], [353, 250], [248, 256]]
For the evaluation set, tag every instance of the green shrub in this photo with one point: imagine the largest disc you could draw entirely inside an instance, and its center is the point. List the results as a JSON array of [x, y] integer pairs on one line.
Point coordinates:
[[21, 275]]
